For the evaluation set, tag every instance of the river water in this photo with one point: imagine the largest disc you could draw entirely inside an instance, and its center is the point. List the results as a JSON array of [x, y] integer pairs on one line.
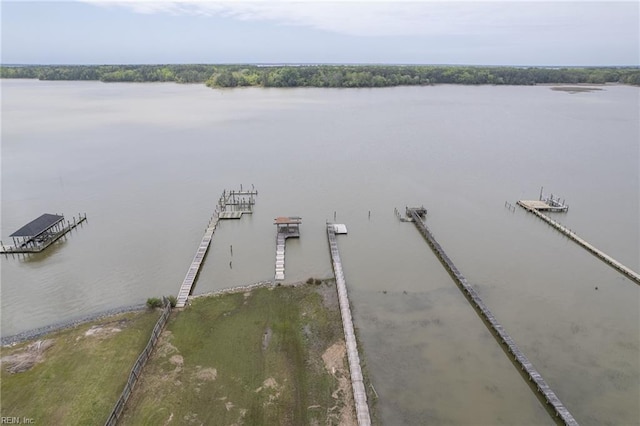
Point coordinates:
[[147, 163]]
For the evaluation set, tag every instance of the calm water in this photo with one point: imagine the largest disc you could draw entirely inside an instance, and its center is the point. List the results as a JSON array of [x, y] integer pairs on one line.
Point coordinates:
[[147, 163]]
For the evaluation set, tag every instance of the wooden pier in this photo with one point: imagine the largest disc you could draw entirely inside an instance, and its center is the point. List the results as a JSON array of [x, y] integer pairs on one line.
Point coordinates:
[[231, 205], [629, 273], [288, 227], [40, 233], [543, 389], [357, 381]]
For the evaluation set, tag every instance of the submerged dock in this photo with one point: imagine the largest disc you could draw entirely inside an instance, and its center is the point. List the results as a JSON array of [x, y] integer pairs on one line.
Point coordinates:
[[628, 272], [357, 381], [544, 391], [231, 205]]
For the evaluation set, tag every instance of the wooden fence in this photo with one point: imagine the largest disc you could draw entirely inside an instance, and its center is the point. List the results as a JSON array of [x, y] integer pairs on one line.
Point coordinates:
[[139, 365]]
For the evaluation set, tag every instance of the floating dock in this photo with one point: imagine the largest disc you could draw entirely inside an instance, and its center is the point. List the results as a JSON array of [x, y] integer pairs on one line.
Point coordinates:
[[628, 272], [231, 205], [40, 233], [357, 381], [288, 227], [544, 391]]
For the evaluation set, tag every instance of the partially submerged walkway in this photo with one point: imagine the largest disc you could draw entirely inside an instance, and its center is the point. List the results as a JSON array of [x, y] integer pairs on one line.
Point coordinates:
[[357, 382], [541, 385], [628, 272]]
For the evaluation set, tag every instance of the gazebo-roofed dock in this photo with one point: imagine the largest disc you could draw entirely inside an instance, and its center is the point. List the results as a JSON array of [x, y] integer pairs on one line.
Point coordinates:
[[40, 233]]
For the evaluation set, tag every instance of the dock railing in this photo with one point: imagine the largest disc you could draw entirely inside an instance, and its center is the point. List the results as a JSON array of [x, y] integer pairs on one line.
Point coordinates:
[[139, 365]]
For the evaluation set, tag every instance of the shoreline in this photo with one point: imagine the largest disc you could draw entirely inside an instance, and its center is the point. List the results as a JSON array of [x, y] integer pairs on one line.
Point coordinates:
[[35, 333], [63, 325]]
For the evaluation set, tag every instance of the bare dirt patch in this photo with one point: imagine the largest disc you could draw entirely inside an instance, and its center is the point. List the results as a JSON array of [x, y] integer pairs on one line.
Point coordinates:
[[101, 332], [26, 358], [177, 360], [207, 374], [344, 410]]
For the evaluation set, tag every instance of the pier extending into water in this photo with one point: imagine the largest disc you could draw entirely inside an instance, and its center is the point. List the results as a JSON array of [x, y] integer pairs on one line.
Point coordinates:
[[521, 360], [231, 205], [288, 227], [40, 233], [357, 381], [628, 272]]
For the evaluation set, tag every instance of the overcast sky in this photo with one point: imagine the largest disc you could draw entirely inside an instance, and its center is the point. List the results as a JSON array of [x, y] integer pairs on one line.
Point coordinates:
[[416, 32]]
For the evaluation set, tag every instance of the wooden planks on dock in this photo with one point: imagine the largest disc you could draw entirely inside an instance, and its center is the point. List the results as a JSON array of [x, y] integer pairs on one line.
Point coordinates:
[[628, 272], [541, 385], [357, 381], [194, 268], [280, 243]]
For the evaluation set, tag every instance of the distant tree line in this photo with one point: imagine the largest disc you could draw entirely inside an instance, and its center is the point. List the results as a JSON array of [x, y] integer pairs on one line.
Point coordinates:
[[326, 75]]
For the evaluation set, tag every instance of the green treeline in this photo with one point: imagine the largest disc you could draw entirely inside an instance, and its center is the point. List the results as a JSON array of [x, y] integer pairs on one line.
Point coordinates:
[[325, 75]]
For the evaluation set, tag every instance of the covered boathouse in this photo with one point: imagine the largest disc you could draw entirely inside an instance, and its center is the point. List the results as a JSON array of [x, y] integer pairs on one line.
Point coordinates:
[[40, 233]]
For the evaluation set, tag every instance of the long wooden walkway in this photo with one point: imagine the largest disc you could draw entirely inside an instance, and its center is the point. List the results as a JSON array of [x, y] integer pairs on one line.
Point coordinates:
[[280, 243], [357, 381], [543, 388], [192, 273], [231, 205], [629, 273]]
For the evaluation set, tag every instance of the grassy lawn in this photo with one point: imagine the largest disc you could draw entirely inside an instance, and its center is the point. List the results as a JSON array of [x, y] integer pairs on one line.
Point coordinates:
[[80, 376], [266, 357]]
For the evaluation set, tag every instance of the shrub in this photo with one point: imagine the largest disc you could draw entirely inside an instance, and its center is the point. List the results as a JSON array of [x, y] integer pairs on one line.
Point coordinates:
[[310, 281], [172, 301], [154, 302]]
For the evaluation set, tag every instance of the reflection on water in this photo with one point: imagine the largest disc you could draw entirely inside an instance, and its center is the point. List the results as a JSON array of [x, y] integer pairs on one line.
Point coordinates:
[[147, 163]]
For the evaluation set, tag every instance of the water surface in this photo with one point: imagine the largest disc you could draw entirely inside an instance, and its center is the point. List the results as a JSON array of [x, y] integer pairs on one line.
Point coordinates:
[[147, 163]]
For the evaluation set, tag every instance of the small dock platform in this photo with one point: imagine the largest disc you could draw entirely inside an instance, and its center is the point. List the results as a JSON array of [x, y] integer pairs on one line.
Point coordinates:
[[542, 206], [231, 205], [628, 272], [543, 389], [40, 233], [357, 381], [548, 203], [288, 227]]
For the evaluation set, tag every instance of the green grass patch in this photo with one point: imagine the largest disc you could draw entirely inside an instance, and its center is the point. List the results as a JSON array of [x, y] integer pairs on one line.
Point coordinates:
[[80, 377], [252, 358]]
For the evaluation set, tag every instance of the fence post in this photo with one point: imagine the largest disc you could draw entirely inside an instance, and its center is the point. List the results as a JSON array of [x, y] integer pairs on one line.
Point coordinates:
[[136, 370]]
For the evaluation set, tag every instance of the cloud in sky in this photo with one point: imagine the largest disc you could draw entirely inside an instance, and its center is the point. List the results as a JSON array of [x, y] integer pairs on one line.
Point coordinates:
[[414, 18], [503, 32]]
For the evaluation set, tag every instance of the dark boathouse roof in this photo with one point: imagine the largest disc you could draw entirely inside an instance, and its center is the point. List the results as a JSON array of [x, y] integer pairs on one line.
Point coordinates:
[[38, 226]]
